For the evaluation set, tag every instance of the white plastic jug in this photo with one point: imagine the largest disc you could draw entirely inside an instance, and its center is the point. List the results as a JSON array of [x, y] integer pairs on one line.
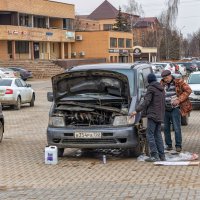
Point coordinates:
[[51, 155]]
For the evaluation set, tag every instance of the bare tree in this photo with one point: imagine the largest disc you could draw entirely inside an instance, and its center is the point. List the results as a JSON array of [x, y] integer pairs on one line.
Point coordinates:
[[172, 12], [133, 8]]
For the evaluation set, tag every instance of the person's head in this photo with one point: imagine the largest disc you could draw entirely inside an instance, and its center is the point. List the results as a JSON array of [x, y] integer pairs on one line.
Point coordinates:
[[166, 76], [151, 77]]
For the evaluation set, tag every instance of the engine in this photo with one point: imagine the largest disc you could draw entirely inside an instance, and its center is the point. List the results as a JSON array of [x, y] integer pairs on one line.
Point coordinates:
[[89, 118]]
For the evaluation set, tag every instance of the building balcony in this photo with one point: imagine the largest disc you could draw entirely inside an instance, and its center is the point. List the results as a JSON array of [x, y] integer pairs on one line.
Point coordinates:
[[20, 33]]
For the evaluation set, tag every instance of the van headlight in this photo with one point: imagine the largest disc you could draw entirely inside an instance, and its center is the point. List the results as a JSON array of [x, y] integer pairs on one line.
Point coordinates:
[[56, 121], [123, 120]]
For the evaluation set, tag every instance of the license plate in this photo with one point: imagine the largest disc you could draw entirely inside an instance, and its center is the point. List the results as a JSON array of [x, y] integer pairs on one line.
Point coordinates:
[[87, 134]]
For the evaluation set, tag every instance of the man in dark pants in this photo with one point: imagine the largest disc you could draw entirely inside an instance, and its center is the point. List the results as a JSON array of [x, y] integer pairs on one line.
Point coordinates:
[[154, 106], [176, 104]]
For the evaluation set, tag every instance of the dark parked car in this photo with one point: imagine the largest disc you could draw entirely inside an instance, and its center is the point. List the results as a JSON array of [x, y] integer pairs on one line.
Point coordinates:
[[24, 74], [91, 106], [1, 124]]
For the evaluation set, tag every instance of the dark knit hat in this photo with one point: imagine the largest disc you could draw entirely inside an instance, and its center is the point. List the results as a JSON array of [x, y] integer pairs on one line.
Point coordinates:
[[151, 77], [165, 73]]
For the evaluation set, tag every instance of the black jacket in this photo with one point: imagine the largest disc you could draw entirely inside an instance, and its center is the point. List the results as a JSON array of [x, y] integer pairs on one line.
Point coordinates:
[[154, 102]]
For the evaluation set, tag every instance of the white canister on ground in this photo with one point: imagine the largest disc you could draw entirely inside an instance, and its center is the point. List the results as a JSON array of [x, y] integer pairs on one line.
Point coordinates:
[[51, 155]]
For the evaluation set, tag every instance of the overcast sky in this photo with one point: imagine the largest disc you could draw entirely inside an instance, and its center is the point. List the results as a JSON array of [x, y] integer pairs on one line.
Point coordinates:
[[188, 19]]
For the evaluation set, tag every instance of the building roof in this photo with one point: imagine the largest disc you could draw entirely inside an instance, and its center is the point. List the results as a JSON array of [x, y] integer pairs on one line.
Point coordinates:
[[104, 11], [82, 16], [149, 19], [146, 22]]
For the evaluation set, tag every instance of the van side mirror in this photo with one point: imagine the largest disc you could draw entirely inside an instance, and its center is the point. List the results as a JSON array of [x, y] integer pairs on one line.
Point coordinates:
[[50, 96]]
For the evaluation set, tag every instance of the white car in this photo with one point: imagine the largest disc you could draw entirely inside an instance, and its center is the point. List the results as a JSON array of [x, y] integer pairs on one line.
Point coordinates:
[[194, 83], [2, 75], [167, 66], [182, 69], [15, 91], [9, 73]]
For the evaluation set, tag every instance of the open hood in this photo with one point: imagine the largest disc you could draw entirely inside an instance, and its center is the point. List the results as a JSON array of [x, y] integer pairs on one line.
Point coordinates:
[[92, 82]]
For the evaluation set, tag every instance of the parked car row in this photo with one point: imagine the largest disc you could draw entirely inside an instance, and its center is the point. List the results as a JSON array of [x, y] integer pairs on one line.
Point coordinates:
[[14, 72], [173, 67]]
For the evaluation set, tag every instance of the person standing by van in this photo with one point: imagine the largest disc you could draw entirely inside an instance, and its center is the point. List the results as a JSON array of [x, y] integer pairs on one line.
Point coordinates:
[[176, 104], [154, 107]]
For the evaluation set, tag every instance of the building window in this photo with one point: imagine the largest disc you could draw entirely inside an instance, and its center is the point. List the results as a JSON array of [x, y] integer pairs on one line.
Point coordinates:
[[113, 42], [5, 19], [68, 24], [128, 43], [111, 59], [107, 27], [23, 20], [39, 22], [120, 42], [22, 47], [9, 47]]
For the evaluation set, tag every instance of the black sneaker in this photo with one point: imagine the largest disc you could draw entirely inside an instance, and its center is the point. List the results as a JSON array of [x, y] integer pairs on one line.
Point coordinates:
[[178, 149], [162, 158], [169, 148], [152, 159]]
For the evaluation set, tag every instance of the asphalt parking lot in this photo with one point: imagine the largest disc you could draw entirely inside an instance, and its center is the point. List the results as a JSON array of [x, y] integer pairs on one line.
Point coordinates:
[[23, 174]]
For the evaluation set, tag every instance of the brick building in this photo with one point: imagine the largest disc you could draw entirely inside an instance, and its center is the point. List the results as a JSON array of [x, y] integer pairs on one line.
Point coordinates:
[[112, 45], [36, 29]]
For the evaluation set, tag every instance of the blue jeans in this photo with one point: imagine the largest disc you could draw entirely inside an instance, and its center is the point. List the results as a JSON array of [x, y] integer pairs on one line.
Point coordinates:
[[173, 117], [154, 138]]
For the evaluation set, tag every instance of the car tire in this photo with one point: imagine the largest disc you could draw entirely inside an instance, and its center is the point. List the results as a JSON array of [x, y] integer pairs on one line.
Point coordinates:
[[60, 152], [1, 132], [184, 120], [18, 104], [141, 148], [32, 101]]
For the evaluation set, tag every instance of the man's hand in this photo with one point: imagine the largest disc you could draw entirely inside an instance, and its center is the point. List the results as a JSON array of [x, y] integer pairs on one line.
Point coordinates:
[[175, 102], [133, 113]]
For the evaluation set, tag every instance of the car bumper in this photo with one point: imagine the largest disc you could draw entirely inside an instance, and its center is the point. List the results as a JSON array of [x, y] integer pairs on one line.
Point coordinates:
[[195, 101], [7, 100], [123, 137]]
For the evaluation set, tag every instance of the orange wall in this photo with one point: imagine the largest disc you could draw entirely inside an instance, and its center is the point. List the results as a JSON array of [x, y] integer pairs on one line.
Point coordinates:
[[39, 7], [3, 50], [96, 44]]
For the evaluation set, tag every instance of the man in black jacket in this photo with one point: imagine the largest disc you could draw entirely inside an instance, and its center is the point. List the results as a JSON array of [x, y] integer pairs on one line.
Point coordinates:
[[154, 106]]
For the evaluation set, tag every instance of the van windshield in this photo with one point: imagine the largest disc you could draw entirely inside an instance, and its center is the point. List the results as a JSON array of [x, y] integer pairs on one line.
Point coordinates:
[[129, 73]]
